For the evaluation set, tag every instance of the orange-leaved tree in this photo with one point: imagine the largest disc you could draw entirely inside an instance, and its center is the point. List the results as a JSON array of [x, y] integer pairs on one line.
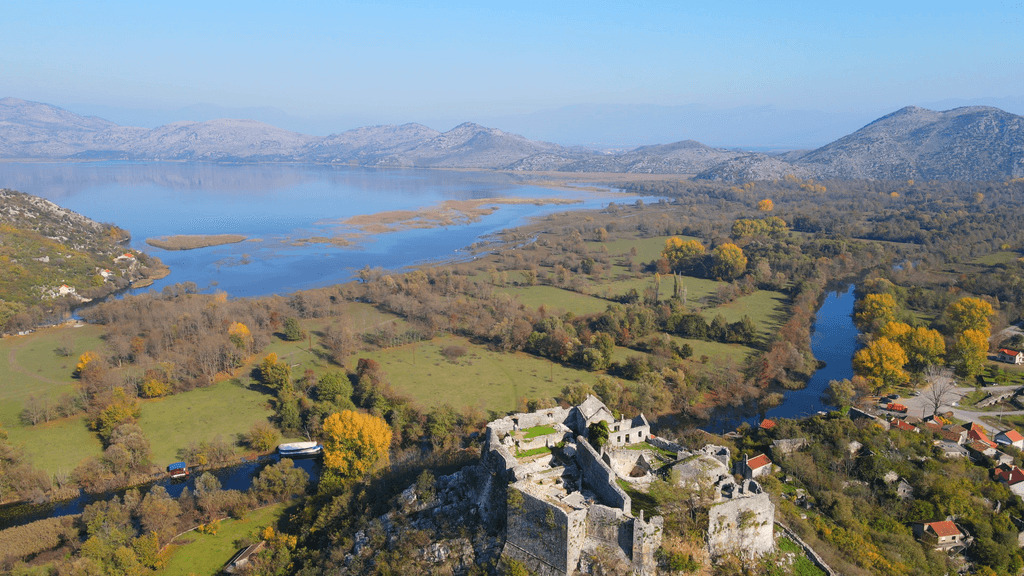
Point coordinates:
[[766, 205], [354, 443]]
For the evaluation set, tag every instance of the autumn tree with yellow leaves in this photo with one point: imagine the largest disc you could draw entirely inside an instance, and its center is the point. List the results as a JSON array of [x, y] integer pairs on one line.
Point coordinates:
[[766, 205], [240, 335], [970, 350], [728, 261], [680, 253], [355, 443], [882, 362], [876, 310], [969, 314]]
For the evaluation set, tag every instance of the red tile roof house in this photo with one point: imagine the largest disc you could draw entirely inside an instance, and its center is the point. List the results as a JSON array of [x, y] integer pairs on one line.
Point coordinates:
[[767, 424], [1011, 438], [751, 468], [1012, 476], [976, 433], [1010, 356], [901, 425], [943, 535]]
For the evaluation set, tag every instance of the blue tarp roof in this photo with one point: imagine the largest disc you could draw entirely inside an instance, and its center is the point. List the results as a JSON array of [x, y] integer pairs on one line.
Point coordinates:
[[177, 466]]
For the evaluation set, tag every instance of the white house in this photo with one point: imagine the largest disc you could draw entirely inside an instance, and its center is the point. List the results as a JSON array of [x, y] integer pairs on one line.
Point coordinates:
[[1011, 438]]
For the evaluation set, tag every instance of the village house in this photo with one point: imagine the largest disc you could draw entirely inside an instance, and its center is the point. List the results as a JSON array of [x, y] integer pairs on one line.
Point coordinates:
[[904, 426], [767, 424], [975, 433], [943, 535], [950, 449], [1010, 356], [1011, 438], [755, 467], [1012, 476]]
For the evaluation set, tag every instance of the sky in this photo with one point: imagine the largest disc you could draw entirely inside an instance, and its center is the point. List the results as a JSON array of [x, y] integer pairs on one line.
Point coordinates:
[[323, 67]]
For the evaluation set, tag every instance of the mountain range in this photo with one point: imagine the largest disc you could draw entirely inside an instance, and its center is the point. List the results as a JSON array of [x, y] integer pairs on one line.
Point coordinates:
[[967, 143]]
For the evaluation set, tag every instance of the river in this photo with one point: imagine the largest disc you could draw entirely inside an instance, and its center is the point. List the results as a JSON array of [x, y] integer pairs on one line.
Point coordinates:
[[833, 341], [235, 477]]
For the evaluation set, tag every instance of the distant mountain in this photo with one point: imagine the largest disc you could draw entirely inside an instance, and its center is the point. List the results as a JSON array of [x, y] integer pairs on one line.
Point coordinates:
[[970, 143]]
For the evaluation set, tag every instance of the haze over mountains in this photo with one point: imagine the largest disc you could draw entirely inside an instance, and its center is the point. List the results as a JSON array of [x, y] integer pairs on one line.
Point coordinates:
[[968, 143]]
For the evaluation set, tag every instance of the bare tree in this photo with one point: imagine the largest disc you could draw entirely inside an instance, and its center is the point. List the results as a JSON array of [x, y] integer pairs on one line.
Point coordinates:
[[941, 386]]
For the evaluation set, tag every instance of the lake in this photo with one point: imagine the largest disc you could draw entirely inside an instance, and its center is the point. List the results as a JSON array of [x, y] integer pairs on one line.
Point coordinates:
[[276, 205]]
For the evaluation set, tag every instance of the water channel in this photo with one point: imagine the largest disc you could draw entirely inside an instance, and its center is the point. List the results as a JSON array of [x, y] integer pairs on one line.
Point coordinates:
[[833, 341]]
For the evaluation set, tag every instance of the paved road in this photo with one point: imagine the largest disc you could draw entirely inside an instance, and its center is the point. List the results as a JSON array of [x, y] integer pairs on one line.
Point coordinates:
[[921, 406]]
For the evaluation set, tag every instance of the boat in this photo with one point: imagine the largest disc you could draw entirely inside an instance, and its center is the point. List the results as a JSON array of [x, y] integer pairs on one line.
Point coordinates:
[[300, 449], [177, 470]]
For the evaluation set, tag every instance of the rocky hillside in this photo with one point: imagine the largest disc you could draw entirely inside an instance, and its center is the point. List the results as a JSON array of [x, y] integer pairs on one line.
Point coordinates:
[[52, 259], [972, 143]]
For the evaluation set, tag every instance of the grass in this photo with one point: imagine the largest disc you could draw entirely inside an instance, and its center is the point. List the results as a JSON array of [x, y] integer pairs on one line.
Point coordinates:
[[786, 545], [766, 308], [737, 352], [557, 300], [647, 249], [697, 289], [30, 366], [532, 452], [206, 554], [481, 379], [224, 409], [536, 431], [57, 446], [996, 258]]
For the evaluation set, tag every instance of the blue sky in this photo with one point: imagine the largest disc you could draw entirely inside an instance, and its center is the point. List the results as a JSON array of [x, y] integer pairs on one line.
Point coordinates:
[[349, 63]]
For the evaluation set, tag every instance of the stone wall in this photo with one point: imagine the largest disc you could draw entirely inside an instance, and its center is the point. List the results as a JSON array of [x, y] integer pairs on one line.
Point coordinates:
[[544, 536], [646, 540], [664, 444], [610, 527], [742, 523], [600, 478]]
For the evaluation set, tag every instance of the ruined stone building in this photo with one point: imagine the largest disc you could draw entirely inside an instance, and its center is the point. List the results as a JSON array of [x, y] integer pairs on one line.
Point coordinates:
[[565, 504]]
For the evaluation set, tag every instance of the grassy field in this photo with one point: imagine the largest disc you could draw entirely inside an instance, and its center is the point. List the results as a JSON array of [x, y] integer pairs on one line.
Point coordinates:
[[697, 289], [647, 249], [203, 414], [996, 258], [557, 301], [206, 554], [30, 366], [57, 446], [479, 379], [765, 307]]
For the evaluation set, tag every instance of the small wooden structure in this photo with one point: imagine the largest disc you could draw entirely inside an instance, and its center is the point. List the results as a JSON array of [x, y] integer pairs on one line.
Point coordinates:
[[241, 559]]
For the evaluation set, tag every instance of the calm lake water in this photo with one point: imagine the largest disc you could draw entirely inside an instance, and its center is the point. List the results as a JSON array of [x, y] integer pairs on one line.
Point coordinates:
[[275, 205], [833, 341]]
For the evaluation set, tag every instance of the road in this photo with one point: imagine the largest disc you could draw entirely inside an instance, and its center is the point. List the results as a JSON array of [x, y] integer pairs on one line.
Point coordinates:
[[921, 406]]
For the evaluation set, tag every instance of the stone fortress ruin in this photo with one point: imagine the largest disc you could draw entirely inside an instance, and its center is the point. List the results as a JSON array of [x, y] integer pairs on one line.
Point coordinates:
[[565, 503]]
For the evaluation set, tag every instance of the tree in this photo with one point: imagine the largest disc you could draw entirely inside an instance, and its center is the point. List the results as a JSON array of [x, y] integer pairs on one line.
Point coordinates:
[[969, 314], [680, 252], [876, 310], [925, 347], [597, 432], [882, 363], [88, 357], [941, 385], [279, 482], [293, 331], [239, 335], [766, 205], [840, 392], [970, 350], [728, 261], [274, 373], [262, 437], [354, 443]]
